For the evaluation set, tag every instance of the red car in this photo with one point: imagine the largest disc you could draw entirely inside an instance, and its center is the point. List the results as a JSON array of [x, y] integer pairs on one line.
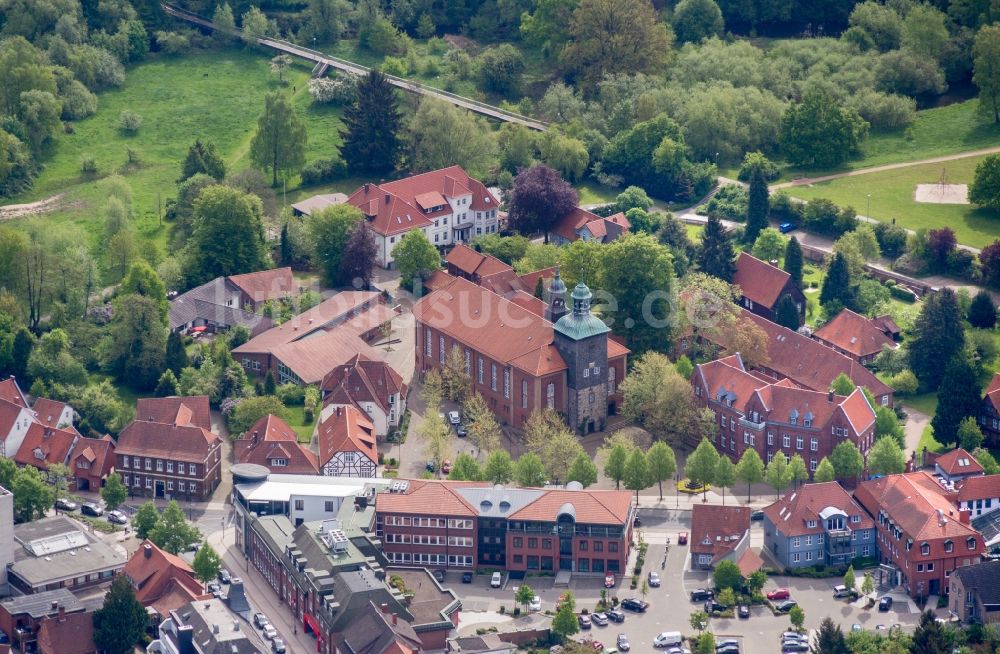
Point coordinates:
[[609, 580], [779, 594]]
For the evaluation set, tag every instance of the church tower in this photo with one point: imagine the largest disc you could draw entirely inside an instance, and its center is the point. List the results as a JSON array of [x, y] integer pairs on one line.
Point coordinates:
[[582, 340], [556, 308]]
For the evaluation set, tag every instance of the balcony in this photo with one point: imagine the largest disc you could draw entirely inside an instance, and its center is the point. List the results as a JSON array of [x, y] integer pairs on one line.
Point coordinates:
[[757, 426]]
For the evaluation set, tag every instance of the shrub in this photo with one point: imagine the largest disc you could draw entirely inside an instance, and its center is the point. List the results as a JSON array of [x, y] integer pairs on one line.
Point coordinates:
[[129, 121], [173, 43], [291, 394], [902, 293], [757, 160], [904, 382], [324, 170], [394, 66], [729, 203], [88, 165], [337, 90]]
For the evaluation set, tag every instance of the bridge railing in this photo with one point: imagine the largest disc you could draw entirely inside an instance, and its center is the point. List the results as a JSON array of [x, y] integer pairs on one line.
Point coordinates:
[[400, 82]]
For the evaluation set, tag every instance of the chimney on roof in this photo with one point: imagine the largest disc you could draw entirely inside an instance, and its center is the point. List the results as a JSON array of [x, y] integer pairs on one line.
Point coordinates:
[[829, 396], [55, 605], [253, 439], [62, 613], [395, 619], [366, 187], [147, 551], [388, 198], [964, 517], [384, 608], [215, 628], [185, 639]]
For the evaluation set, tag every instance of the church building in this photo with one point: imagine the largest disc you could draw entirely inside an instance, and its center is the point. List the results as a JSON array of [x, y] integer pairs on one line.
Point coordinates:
[[520, 361]]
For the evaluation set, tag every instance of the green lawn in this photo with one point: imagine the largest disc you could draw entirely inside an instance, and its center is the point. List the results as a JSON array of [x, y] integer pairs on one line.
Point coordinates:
[[297, 421], [935, 132], [212, 95], [925, 403], [694, 232], [892, 194], [927, 440]]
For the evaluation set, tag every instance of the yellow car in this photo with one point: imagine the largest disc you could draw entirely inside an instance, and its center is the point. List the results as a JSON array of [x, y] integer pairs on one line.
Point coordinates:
[[692, 487]]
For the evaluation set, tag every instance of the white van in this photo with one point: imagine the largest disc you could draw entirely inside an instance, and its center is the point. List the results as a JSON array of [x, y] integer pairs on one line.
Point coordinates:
[[841, 591], [668, 639]]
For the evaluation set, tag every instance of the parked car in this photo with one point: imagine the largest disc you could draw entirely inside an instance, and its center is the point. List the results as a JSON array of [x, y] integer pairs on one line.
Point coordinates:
[[778, 594], [784, 228], [841, 591], [214, 587], [743, 612], [65, 505], [711, 606], [701, 594], [678, 650], [654, 579], [726, 642], [597, 645], [462, 431], [278, 646], [599, 619], [885, 603], [637, 521], [793, 646], [609, 580], [431, 466], [439, 575], [454, 418], [584, 621], [682, 538], [466, 577], [622, 643], [224, 576], [259, 620], [535, 604], [757, 515], [496, 580], [732, 648], [270, 632], [668, 639], [117, 517], [92, 509], [793, 635], [786, 606], [616, 615], [634, 604]]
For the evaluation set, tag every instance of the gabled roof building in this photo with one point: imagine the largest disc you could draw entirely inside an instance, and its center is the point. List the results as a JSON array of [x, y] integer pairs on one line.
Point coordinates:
[[855, 336], [762, 286], [347, 448], [271, 443], [974, 593], [367, 384], [580, 224], [227, 302], [447, 205], [752, 411], [718, 533], [162, 581], [818, 524]]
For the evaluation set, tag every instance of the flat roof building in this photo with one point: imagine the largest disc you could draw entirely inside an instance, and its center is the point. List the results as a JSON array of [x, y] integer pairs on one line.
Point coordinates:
[[57, 553]]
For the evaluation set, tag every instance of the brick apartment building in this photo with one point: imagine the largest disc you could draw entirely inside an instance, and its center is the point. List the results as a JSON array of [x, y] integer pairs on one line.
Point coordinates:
[[179, 457], [922, 536], [471, 525], [753, 412], [520, 361]]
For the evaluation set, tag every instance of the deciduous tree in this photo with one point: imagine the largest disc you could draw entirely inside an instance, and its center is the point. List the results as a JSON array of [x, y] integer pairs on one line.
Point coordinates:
[[750, 468], [441, 135], [820, 133], [135, 350], [529, 471], [114, 492], [985, 187], [701, 464], [769, 245], [499, 468], [727, 575], [986, 69], [565, 623], [540, 199], [725, 475], [330, 231], [824, 471], [145, 519], [662, 464], [695, 20], [969, 435], [121, 621], [415, 257], [206, 563], [465, 468], [778, 475], [847, 460], [639, 273], [172, 532], [636, 472], [280, 141], [228, 237], [32, 496], [615, 459], [658, 398], [797, 471], [582, 470]]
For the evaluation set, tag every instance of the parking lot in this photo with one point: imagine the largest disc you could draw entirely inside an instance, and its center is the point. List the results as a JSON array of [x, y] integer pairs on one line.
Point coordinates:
[[671, 606]]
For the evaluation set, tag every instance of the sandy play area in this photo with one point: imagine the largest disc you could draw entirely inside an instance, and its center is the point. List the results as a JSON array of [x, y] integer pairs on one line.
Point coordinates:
[[942, 193]]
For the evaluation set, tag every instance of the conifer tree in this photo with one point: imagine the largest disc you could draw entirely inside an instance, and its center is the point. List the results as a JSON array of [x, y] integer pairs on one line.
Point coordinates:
[[371, 140], [793, 261], [716, 256], [757, 206], [938, 337]]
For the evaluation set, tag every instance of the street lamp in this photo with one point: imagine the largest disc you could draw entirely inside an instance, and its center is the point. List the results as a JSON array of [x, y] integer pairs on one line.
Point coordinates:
[[223, 521], [868, 212]]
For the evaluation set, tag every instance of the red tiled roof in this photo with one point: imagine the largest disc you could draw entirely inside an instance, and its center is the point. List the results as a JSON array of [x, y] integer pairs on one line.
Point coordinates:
[[529, 302], [271, 438], [10, 391], [493, 325], [346, 429], [749, 562], [42, 446], [166, 441], [265, 285], [9, 413], [332, 310], [99, 452], [438, 279], [396, 207], [600, 507], [73, 633], [959, 462], [362, 379], [162, 580], [979, 488], [809, 363], [717, 530], [920, 507], [189, 410], [530, 280], [993, 391], [887, 324], [571, 222], [427, 497], [759, 280], [48, 412], [791, 514], [475, 263], [853, 333], [601, 229]]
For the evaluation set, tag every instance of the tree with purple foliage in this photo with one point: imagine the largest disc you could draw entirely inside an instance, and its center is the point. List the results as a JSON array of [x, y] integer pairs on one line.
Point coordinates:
[[989, 259], [358, 259], [539, 200], [940, 243]]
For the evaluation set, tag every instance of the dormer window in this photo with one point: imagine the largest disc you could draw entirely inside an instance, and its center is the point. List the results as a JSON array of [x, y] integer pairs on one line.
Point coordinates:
[[949, 546], [925, 549], [971, 543], [810, 524]]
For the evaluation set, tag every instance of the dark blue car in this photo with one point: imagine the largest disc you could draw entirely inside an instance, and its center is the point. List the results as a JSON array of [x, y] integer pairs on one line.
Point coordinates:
[[784, 228]]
